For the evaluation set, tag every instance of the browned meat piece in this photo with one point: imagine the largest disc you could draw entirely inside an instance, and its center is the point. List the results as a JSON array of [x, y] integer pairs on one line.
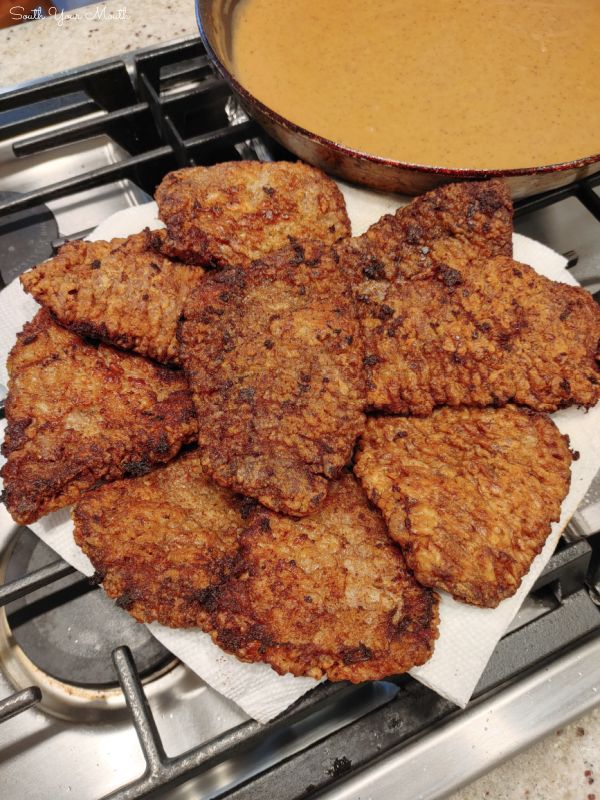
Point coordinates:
[[78, 415], [326, 594], [453, 222], [123, 292], [469, 494], [445, 227], [159, 542], [230, 214], [484, 333], [274, 358]]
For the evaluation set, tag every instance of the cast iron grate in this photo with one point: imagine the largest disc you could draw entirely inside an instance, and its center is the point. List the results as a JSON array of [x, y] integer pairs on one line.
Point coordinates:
[[167, 109]]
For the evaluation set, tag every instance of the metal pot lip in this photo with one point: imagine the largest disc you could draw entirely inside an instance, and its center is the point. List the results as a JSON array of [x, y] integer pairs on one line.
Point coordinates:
[[359, 155]]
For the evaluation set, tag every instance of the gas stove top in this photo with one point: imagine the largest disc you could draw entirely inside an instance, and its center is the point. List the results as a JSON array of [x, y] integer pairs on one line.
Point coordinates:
[[91, 705]]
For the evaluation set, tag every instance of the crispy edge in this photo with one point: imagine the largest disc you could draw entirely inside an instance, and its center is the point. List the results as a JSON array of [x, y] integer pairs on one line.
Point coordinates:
[[436, 560], [173, 576], [455, 221], [29, 492], [238, 229], [502, 338], [238, 629], [156, 336], [476, 216]]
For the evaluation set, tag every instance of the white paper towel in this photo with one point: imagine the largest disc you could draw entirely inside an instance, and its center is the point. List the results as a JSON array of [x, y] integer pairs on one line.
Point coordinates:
[[468, 635]]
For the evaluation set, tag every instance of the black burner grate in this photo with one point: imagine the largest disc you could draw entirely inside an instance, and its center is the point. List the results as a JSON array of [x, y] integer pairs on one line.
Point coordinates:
[[167, 109], [147, 107]]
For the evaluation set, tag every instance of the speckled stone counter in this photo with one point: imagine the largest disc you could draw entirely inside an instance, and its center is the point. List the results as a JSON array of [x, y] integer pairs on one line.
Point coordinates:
[[566, 764], [90, 33], [563, 766]]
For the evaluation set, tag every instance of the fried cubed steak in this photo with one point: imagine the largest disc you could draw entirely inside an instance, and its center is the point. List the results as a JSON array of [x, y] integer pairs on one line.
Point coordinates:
[[274, 358], [79, 414], [159, 542], [445, 227], [484, 333], [468, 493], [124, 292], [230, 214], [454, 221], [327, 594]]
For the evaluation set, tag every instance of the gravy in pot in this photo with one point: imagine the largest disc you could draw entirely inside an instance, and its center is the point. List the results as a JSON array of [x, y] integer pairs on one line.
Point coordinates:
[[486, 84]]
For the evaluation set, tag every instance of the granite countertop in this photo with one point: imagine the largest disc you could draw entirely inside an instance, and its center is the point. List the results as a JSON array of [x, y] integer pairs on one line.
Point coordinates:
[[45, 46], [563, 766]]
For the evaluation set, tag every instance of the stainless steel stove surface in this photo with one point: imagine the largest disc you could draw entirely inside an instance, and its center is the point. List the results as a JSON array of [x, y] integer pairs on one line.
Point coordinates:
[[92, 705]]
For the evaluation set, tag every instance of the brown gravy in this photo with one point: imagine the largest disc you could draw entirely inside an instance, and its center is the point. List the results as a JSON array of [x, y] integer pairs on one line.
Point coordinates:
[[489, 84]]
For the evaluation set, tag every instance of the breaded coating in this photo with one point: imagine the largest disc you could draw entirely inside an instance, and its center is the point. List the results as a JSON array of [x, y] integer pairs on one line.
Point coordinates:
[[159, 542], [485, 333], [326, 594], [469, 494], [455, 221], [274, 359], [123, 292], [230, 214], [447, 226], [79, 414]]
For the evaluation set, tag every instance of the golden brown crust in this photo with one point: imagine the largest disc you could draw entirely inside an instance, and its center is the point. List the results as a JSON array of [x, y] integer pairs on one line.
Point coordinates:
[[483, 333], [123, 292], [274, 359], [326, 594], [78, 415], [455, 221], [469, 494], [230, 214], [447, 226], [159, 542]]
